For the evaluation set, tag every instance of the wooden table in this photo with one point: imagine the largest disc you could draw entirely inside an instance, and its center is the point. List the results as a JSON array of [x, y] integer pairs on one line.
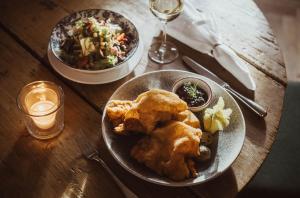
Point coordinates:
[[56, 168]]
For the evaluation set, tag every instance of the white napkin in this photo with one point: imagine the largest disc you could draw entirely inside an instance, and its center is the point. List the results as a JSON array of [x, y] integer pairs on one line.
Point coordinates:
[[197, 31]]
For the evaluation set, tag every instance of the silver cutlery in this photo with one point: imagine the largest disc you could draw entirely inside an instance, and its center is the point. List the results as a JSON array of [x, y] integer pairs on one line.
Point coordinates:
[[258, 109], [92, 154]]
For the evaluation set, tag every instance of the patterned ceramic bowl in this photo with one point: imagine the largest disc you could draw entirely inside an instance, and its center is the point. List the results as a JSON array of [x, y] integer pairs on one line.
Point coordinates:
[[59, 33]]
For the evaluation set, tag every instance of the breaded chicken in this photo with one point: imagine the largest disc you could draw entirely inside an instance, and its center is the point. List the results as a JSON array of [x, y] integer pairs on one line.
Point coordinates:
[[116, 110], [151, 107], [172, 134], [143, 114], [170, 150], [188, 118]]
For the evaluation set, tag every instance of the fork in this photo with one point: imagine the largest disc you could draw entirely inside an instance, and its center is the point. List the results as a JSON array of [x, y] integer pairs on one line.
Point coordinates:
[[92, 154]]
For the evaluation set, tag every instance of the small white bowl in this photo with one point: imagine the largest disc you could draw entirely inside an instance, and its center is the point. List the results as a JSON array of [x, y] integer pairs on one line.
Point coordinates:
[[200, 83]]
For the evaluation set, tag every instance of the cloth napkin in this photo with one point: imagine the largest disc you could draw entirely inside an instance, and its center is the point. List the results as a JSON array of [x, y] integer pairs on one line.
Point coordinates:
[[198, 31]]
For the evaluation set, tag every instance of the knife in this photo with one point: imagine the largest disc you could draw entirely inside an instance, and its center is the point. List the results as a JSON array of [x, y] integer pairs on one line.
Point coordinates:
[[258, 109]]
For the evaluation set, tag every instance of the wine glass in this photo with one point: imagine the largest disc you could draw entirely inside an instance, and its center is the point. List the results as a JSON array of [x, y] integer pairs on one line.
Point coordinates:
[[165, 10]]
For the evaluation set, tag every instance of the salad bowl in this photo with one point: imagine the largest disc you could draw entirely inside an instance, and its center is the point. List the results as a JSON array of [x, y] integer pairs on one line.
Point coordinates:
[[122, 68]]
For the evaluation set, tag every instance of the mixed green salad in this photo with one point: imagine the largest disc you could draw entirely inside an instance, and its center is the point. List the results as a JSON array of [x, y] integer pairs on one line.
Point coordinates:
[[94, 44]]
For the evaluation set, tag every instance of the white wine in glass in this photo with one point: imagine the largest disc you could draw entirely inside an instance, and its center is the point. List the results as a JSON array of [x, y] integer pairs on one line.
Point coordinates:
[[165, 10]]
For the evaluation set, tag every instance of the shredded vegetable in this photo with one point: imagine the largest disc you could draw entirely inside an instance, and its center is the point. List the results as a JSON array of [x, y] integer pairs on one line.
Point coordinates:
[[94, 44]]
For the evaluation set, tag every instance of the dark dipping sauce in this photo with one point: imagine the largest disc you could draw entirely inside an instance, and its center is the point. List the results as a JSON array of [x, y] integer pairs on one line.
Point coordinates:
[[192, 94]]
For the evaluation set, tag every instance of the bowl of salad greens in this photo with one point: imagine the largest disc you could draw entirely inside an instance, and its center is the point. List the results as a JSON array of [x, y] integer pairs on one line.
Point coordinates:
[[94, 40]]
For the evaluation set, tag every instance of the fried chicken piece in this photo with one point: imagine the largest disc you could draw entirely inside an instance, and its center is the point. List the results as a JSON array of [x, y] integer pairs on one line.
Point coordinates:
[[151, 107], [116, 110], [188, 118], [170, 150]]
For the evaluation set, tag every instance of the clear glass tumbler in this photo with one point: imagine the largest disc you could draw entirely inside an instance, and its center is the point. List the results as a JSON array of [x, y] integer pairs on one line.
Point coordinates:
[[42, 106]]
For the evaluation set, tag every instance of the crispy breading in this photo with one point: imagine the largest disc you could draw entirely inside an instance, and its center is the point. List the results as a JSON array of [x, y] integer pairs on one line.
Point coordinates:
[[189, 118], [172, 134], [154, 106], [116, 110], [169, 150], [144, 113]]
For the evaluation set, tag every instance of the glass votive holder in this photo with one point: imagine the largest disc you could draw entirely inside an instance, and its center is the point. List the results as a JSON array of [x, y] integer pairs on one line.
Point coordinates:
[[42, 106]]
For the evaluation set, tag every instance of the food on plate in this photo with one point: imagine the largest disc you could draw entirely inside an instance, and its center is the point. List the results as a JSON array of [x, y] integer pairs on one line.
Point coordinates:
[[205, 153], [94, 44], [116, 110], [193, 94], [188, 118], [170, 150], [171, 132], [172, 140], [149, 109], [152, 107], [207, 138], [216, 118]]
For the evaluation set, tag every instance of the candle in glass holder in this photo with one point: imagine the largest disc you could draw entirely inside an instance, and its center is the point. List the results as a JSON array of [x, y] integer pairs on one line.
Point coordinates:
[[40, 110], [42, 105]]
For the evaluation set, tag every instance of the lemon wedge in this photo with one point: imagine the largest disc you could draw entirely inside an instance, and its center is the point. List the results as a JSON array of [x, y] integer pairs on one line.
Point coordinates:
[[217, 118]]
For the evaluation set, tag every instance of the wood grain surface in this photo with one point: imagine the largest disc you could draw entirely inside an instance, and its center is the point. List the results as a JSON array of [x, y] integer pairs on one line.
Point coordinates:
[[29, 23], [54, 168]]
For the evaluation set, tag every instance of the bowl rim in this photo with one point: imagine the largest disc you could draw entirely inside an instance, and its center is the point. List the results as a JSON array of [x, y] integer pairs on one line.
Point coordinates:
[[210, 93], [130, 53], [183, 183], [58, 67]]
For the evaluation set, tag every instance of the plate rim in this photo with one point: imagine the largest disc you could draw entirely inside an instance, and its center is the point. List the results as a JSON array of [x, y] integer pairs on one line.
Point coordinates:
[[174, 183]]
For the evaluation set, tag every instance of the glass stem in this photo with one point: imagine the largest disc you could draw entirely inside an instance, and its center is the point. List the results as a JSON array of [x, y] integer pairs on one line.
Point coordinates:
[[162, 48], [164, 29]]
